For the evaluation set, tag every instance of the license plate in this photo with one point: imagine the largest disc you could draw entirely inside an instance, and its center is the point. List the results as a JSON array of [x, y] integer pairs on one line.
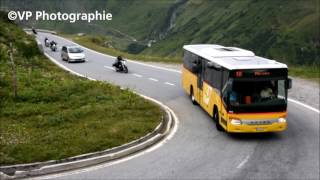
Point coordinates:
[[259, 129]]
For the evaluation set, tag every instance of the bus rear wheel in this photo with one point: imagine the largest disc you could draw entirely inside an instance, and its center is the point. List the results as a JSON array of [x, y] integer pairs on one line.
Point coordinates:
[[216, 119], [193, 99]]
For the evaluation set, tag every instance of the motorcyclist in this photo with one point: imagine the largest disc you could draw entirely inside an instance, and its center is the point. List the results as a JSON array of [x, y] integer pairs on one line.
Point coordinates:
[[120, 65], [46, 41], [117, 63], [34, 30], [52, 43]]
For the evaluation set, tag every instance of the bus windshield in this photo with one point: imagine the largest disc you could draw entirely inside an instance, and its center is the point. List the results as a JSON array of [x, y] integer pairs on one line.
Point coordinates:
[[257, 96]]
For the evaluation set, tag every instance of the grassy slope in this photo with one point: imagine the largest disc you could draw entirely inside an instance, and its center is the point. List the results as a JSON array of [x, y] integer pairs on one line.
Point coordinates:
[[58, 115], [97, 43], [140, 18], [284, 30]]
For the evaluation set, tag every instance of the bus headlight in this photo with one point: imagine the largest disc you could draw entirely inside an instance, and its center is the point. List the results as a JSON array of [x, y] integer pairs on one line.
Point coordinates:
[[282, 120], [235, 122]]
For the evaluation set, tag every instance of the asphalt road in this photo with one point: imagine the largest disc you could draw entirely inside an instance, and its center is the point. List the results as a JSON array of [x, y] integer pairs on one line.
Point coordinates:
[[198, 150]]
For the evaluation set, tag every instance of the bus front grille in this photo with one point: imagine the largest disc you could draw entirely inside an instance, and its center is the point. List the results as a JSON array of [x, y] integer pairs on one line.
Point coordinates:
[[259, 122]]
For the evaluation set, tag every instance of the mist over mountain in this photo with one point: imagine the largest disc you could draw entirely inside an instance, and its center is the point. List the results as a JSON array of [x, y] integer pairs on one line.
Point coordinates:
[[286, 30]]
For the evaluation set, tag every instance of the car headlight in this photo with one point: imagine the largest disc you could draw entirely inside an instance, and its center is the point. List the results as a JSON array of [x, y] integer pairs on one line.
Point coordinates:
[[235, 122], [282, 120]]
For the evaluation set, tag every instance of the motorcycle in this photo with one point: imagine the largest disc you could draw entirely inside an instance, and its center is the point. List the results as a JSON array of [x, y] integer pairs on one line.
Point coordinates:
[[121, 66], [53, 46], [34, 31], [46, 43]]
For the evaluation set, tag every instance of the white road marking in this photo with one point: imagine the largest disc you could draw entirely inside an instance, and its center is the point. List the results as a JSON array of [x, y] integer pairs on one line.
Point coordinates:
[[243, 162], [137, 75], [152, 79], [304, 105], [173, 70], [108, 67], [170, 84]]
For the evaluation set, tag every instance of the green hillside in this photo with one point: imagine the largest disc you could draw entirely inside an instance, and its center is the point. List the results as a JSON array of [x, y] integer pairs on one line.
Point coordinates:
[[286, 30]]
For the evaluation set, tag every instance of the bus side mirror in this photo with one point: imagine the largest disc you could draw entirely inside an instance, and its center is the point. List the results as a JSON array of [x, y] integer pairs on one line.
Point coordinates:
[[289, 83]]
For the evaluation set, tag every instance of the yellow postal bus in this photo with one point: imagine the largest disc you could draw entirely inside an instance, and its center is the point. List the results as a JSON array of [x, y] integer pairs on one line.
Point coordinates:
[[240, 91]]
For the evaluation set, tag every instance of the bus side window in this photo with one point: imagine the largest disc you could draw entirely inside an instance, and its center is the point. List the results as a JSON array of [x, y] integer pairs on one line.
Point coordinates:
[[187, 60], [196, 67], [196, 64], [214, 77], [225, 76], [191, 62]]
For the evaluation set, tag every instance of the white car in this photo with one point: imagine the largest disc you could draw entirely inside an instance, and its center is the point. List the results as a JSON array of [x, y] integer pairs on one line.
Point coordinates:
[[72, 54]]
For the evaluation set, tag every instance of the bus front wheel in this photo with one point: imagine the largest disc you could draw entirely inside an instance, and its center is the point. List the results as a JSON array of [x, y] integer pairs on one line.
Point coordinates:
[[216, 119]]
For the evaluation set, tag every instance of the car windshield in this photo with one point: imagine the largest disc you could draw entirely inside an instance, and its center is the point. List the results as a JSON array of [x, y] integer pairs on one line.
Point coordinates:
[[268, 95], [75, 50]]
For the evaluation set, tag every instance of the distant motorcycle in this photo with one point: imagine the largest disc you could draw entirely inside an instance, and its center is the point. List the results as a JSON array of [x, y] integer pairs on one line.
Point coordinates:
[[34, 31], [46, 42], [53, 46], [121, 66]]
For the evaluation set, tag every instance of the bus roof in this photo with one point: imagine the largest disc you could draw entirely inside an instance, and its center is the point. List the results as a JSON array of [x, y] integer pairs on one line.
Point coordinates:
[[233, 57]]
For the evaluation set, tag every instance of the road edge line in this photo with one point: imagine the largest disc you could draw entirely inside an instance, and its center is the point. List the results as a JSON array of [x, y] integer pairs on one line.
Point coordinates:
[[304, 105]]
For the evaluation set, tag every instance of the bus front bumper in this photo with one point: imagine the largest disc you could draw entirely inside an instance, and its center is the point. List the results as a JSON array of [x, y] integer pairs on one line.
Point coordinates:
[[257, 126]]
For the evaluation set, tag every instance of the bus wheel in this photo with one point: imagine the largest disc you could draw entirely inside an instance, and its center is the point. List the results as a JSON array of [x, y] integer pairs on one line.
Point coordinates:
[[216, 119], [193, 99]]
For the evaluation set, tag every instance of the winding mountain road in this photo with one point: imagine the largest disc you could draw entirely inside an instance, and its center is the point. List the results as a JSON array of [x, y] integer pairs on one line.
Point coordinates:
[[198, 150]]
